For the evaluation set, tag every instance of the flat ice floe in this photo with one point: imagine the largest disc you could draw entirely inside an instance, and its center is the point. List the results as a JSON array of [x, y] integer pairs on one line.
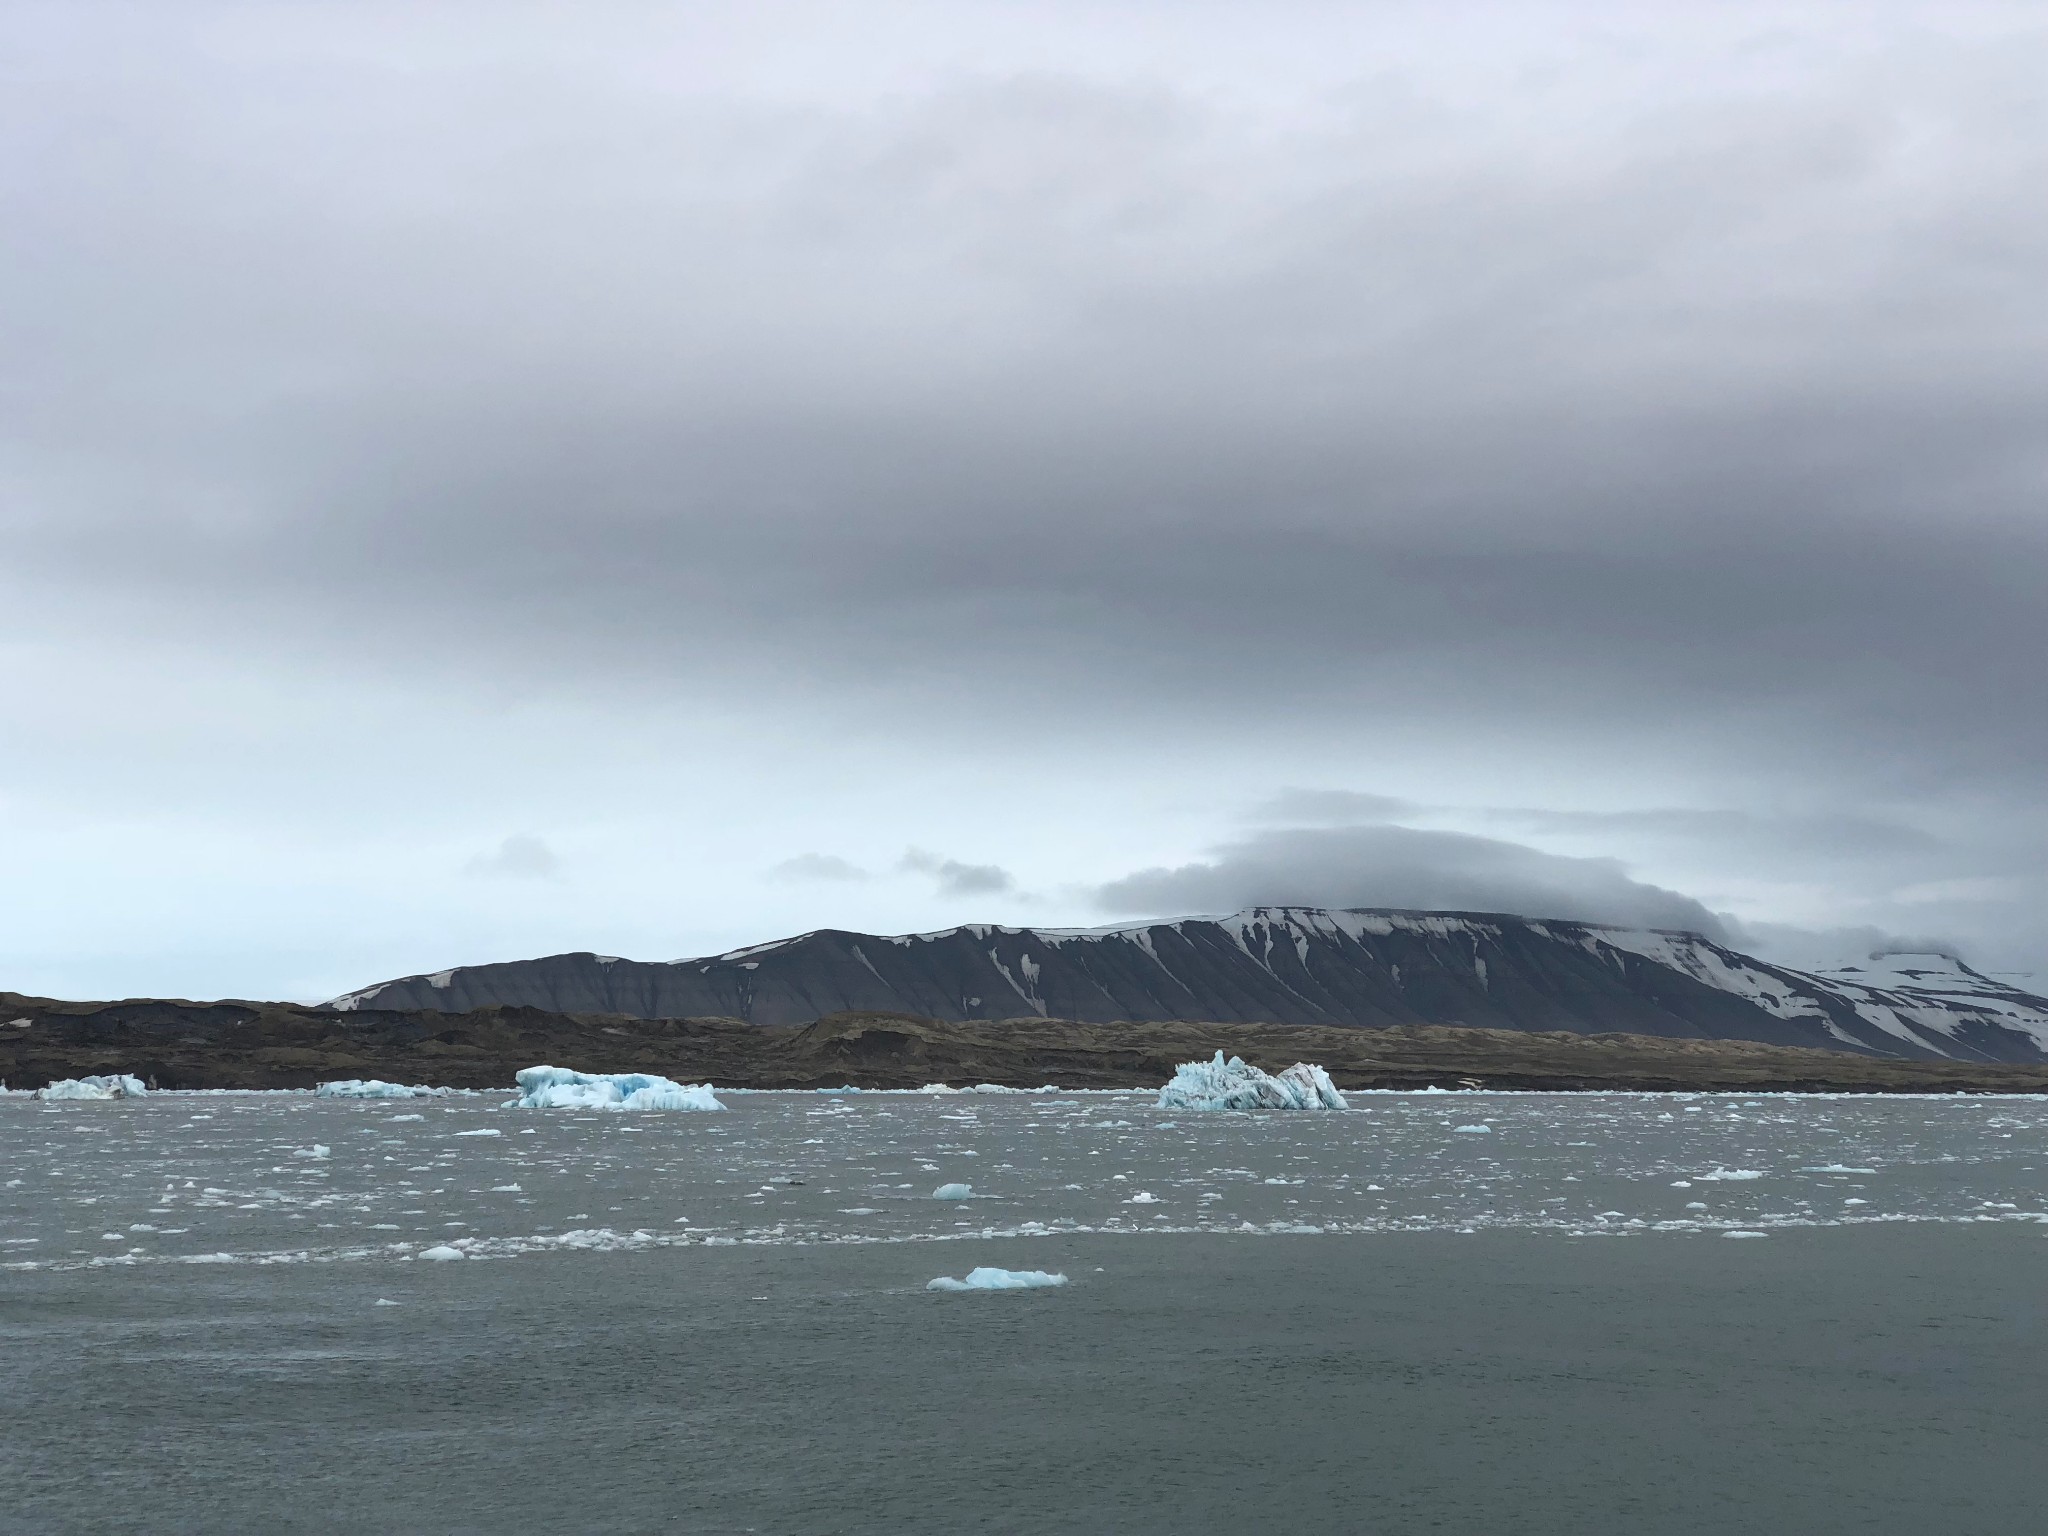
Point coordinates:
[[990, 1279], [561, 1088], [1235, 1084], [374, 1088]]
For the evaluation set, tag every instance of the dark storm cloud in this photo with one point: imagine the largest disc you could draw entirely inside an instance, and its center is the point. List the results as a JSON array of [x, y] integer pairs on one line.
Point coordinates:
[[1405, 867], [1723, 410]]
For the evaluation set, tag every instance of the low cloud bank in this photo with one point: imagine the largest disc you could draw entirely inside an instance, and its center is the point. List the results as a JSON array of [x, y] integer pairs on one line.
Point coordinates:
[[1389, 866]]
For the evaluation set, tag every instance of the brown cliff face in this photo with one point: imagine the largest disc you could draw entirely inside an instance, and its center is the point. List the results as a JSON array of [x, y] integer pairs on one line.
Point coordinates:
[[273, 1045]]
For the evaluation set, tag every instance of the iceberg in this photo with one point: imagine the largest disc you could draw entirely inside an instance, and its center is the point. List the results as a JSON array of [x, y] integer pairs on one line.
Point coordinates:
[[114, 1085], [561, 1088], [986, 1279], [373, 1088], [1235, 1084], [953, 1192]]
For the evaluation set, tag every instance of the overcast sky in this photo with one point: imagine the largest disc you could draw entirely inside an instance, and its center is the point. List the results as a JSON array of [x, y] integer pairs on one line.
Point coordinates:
[[483, 481]]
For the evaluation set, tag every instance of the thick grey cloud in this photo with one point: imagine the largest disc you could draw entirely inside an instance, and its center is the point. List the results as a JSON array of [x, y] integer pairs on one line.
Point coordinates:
[[1565, 406], [1387, 866]]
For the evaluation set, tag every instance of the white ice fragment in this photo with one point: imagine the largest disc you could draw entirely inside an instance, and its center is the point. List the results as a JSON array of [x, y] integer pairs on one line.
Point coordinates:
[[1472, 1130], [440, 1253], [1745, 1234], [986, 1279], [316, 1152], [477, 1133], [114, 1085], [1721, 1175], [385, 1301], [953, 1192], [1235, 1084], [561, 1088], [397, 1119], [374, 1088], [1143, 1197], [1695, 1205]]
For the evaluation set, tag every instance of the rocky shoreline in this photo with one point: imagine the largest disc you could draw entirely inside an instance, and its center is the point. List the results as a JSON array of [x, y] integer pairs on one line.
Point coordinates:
[[279, 1045]]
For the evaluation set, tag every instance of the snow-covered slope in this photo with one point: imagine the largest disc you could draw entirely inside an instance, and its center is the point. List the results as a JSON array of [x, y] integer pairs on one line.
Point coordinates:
[[1290, 965]]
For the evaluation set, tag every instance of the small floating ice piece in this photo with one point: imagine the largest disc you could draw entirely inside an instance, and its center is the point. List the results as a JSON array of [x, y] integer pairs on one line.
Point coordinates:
[[1473, 1130], [1745, 1234], [987, 1279], [375, 1088], [1721, 1175], [953, 1192], [440, 1253], [1236, 1084], [562, 1088]]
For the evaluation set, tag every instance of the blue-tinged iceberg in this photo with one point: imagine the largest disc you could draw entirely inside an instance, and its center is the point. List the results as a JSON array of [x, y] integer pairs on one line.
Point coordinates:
[[114, 1085], [986, 1279], [1235, 1084], [560, 1088], [374, 1088]]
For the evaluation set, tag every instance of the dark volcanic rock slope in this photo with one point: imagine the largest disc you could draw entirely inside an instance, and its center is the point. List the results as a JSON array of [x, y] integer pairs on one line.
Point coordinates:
[[1289, 966]]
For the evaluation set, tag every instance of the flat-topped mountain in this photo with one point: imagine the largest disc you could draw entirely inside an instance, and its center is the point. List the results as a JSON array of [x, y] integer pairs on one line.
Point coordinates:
[[1292, 966]]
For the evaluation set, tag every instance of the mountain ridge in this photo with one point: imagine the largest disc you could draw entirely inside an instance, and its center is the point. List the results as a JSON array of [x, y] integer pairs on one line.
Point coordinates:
[[1288, 966]]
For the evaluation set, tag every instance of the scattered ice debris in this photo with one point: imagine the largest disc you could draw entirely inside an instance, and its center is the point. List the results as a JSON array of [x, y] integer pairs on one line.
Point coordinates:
[[1235, 1084], [440, 1253], [373, 1088], [1721, 1175], [987, 1279], [561, 1088], [953, 1192], [114, 1085]]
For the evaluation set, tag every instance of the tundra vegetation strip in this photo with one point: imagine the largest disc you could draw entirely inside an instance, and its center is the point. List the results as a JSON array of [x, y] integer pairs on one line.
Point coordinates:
[[276, 1045]]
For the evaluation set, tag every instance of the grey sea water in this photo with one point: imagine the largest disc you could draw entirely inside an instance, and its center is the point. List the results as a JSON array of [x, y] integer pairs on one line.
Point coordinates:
[[215, 1316]]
